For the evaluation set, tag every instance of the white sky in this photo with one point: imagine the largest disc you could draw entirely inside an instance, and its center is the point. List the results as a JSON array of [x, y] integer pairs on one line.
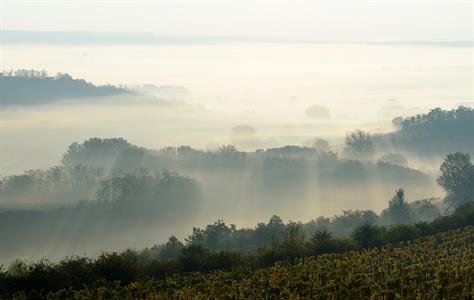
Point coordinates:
[[325, 20]]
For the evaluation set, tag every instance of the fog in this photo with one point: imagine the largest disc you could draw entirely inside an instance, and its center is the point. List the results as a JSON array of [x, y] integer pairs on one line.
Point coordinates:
[[252, 76], [109, 195], [267, 86], [251, 95]]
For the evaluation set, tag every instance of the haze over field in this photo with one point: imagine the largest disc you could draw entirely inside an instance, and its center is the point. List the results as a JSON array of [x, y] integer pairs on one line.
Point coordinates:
[[267, 86]]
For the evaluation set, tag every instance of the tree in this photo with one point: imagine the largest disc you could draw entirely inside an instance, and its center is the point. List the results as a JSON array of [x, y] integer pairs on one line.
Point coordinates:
[[171, 249], [193, 258], [425, 210], [321, 145], [320, 224], [294, 234], [359, 144], [113, 266], [293, 243], [276, 228], [96, 152], [369, 235], [436, 132], [218, 235], [214, 236], [349, 220], [457, 177], [398, 211], [397, 123]]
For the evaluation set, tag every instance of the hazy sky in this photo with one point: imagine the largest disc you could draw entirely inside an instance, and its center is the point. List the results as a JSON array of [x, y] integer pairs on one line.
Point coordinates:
[[307, 20]]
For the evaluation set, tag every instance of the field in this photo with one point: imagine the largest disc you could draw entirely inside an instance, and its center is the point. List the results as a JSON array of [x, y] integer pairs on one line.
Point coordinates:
[[436, 267]]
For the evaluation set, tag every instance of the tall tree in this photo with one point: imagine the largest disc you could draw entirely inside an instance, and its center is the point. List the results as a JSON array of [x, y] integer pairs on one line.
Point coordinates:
[[457, 177], [398, 211]]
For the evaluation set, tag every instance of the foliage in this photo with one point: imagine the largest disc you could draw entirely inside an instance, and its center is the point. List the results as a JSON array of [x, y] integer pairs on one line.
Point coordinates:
[[359, 144], [369, 235], [437, 132], [170, 249], [96, 152], [31, 87], [457, 177], [59, 185], [371, 247], [273, 175], [398, 211], [435, 267]]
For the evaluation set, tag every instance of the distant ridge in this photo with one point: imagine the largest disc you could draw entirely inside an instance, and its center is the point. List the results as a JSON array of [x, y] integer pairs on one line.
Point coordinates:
[[140, 38]]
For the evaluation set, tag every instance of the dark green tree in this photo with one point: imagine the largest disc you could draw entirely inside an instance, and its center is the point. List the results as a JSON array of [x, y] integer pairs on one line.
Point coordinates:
[[171, 248], [369, 235], [457, 177], [398, 211]]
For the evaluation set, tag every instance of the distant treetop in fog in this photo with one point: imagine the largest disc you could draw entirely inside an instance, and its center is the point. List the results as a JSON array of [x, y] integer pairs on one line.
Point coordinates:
[[317, 112], [26, 73], [434, 118], [436, 132]]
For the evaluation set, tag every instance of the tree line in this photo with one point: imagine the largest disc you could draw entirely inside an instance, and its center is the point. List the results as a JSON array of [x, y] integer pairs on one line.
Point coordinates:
[[86, 167], [36, 280], [437, 132], [32, 87]]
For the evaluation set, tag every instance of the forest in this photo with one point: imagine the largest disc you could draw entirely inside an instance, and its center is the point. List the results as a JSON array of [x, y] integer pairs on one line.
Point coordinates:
[[31, 87], [107, 189], [435, 133]]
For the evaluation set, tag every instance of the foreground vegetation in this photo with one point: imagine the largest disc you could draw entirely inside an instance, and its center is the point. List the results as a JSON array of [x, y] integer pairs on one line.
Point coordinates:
[[374, 261], [436, 267]]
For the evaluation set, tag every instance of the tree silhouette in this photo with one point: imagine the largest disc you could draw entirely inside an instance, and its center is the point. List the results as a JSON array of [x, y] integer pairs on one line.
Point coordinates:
[[457, 177], [359, 144], [398, 211]]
